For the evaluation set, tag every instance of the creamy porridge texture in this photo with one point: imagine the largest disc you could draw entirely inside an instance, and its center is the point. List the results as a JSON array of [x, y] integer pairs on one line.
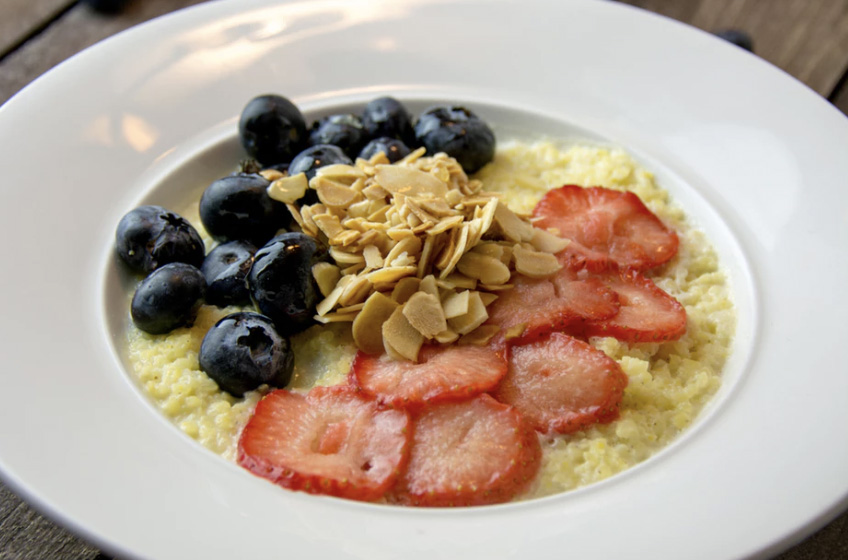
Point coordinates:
[[668, 382]]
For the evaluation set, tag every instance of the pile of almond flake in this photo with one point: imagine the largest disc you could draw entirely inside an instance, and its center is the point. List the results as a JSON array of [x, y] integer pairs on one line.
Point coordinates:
[[420, 250]]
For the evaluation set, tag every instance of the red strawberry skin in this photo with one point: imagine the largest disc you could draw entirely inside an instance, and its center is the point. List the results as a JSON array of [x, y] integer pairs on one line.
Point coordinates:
[[331, 441], [607, 224], [540, 306], [561, 384], [647, 313], [468, 453], [443, 373]]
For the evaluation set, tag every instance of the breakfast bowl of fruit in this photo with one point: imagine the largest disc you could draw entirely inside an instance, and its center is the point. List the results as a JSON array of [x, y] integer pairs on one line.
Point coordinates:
[[324, 287]]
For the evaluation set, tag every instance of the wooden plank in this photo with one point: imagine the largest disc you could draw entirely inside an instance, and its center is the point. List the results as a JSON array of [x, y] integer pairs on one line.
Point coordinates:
[[20, 18], [76, 30], [806, 38]]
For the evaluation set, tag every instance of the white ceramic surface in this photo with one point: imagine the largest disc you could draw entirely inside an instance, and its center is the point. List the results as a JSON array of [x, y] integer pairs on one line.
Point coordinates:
[[756, 158]]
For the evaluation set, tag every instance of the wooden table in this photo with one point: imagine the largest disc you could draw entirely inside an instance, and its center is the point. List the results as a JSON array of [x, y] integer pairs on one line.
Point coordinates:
[[806, 38]]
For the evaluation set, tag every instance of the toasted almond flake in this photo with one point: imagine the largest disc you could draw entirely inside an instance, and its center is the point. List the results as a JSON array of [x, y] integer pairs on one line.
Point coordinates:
[[403, 260], [424, 313], [375, 192], [534, 264], [480, 336], [345, 238], [548, 242], [426, 255], [329, 302], [514, 228], [399, 232], [401, 179], [353, 269], [495, 287], [409, 245], [458, 251], [334, 194], [356, 291], [420, 212], [373, 258], [404, 289], [370, 237], [445, 224], [456, 304], [340, 171], [515, 331], [401, 336], [380, 214], [428, 285], [295, 214], [367, 328], [391, 352], [329, 224], [272, 174], [385, 275], [355, 308], [490, 249], [326, 275], [476, 315], [288, 189], [412, 157], [488, 298], [344, 257], [455, 280], [489, 270], [336, 318], [446, 337], [437, 207]]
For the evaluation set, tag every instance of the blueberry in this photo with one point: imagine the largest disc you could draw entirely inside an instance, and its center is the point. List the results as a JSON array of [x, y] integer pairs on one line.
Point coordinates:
[[386, 116], [243, 351], [394, 149], [272, 129], [459, 133], [737, 37], [225, 269], [344, 131], [168, 298], [281, 283], [150, 236], [238, 207], [314, 157]]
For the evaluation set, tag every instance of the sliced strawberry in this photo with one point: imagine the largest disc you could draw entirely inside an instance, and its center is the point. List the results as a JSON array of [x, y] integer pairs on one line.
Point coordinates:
[[332, 440], [533, 308], [561, 384], [647, 314], [468, 453], [605, 223], [442, 373]]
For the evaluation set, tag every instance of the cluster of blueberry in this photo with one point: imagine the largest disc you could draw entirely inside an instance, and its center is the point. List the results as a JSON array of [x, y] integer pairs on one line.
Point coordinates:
[[253, 261]]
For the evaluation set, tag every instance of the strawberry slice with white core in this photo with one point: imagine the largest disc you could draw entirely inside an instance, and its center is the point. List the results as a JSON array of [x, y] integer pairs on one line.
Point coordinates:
[[468, 453], [561, 384], [533, 308], [647, 313], [604, 223], [442, 373], [331, 440]]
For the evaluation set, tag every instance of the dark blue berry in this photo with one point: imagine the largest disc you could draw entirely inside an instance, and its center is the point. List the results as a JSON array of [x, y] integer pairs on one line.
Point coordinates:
[[281, 283], [386, 116], [150, 236], [310, 159], [737, 37], [459, 133], [225, 269], [238, 207], [343, 131], [272, 129], [394, 149], [243, 351], [168, 298]]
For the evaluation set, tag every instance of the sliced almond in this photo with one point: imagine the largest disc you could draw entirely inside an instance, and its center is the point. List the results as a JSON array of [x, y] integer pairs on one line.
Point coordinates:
[[373, 258], [480, 336], [336, 318], [329, 224], [288, 189], [343, 257], [456, 280], [341, 172], [272, 174], [514, 228], [475, 316], [428, 285], [488, 298], [334, 194], [548, 242], [535, 264], [404, 289], [456, 304], [385, 275], [326, 275], [486, 269], [446, 337], [401, 336], [424, 312], [458, 251], [367, 328], [410, 245], [401, 179], [329, 302]]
